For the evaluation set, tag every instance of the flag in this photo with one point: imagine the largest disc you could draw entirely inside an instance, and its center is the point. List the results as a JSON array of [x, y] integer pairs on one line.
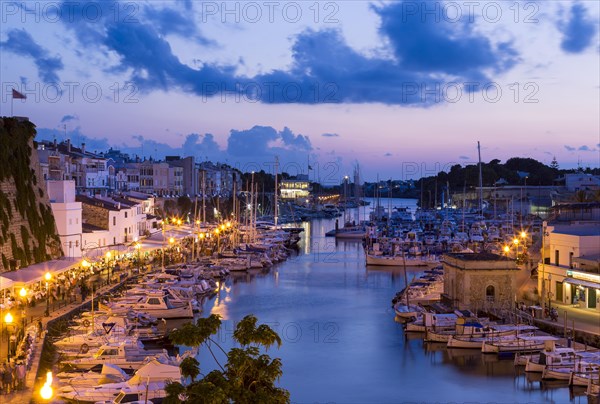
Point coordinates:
[[17, 95]]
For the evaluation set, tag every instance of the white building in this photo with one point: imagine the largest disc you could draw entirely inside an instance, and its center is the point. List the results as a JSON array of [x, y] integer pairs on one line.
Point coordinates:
[[570, 272], [582, 182], [67, 215]]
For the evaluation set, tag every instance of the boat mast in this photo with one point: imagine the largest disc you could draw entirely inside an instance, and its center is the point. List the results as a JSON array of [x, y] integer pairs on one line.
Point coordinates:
[[405, 276], [480, 181], [276, 212]]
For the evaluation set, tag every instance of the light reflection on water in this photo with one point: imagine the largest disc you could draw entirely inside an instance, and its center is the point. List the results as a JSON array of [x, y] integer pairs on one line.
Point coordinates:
[[340, 341]]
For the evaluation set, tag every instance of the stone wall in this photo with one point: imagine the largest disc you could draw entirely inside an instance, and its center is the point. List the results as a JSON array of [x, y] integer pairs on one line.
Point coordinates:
[[28, 232]]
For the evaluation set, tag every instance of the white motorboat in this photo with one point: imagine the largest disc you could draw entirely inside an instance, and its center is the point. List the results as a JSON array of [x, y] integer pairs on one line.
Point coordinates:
[[127, 357], [152, 377], [156, 305]]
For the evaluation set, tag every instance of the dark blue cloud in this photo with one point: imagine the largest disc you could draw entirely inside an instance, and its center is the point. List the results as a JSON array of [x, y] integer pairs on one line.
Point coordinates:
[[171, 21], [426, 44], [330, 135], [22, 44], [585, 148], [570, 148], [464, 157], [325, 69], [578, 31], [68, 118]]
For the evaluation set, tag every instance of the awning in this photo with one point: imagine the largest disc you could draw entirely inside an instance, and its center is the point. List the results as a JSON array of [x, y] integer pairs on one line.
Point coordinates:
[[580, 282], [5, 283], [35, 273]]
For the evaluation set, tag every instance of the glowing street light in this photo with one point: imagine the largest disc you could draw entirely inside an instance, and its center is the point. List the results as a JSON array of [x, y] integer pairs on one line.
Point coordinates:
[[48, 276], [23, 292], [171, 240]]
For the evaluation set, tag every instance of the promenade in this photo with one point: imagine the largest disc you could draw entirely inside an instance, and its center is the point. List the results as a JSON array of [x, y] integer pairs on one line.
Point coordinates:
[[33, 381]]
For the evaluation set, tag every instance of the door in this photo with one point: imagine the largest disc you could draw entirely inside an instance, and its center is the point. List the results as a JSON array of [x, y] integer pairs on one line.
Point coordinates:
[[591, 298], [559, 291]]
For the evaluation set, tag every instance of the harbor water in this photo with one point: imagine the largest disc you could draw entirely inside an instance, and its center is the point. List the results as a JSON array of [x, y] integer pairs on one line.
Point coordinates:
[[341, 343]]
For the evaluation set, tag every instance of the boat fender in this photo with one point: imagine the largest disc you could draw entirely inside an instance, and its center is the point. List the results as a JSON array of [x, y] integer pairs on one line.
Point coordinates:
[[86, 323], [84, 348]]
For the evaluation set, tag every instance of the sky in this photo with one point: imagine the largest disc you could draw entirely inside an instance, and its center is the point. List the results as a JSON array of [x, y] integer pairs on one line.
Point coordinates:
[[402, 88]]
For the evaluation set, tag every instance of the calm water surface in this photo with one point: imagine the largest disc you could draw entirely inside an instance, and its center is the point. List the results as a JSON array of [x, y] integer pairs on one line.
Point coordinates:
[[340, 341]]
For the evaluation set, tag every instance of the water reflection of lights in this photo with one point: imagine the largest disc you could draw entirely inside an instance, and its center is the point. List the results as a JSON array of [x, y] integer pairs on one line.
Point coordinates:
[[221, 300]]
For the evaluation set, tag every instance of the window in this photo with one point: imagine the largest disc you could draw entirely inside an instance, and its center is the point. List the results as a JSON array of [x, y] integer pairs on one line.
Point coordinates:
[[490, 293], [114, 220], [556, 256], [153, 300], [571, 259], [125, 215]]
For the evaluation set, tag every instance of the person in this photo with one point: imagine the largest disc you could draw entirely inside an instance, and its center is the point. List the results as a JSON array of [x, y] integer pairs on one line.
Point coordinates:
[[20, 373], [40, 329], [2, 370], [7, 378]]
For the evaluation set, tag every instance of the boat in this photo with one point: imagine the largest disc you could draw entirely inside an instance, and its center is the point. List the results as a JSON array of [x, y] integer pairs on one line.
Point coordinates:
[[499, 333], [156, 305], [348, 232], [150, 378], [432, 320], [583, 372], [407, 311], [127, 357], [519, 345], [555, 355]]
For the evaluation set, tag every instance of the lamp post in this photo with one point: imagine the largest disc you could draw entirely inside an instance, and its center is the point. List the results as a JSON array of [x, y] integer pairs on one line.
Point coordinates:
[[8, 320], [138, 246], [171, 242], [47, 276], [23, 294], [218, 240], [543, 285], [108, 256], [549, 291]]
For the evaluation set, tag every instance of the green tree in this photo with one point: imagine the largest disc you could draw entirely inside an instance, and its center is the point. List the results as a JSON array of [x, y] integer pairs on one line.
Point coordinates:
[[247, 377], [184, 205]]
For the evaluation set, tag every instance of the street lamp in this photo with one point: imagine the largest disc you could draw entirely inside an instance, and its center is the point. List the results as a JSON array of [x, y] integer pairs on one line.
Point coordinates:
[[506, 250], [138, 246], [8, 319], [47, 276], [23, 294], [218, 240], [108, 256]]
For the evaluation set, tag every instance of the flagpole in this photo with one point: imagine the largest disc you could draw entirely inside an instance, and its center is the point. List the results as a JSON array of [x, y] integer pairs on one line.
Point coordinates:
[[12, 99]]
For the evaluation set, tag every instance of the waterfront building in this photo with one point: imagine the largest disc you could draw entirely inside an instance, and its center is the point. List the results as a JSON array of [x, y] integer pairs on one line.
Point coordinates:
[[476, 281], [581, 182], [570, 269], [296, 188], [92, 173], [122, 218]]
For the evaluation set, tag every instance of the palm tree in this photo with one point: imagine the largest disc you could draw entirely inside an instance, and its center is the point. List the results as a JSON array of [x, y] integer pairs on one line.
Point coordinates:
[[190, 367]]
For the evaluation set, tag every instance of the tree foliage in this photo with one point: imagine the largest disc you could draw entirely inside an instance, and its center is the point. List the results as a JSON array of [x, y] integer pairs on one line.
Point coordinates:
[[249, 376]]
